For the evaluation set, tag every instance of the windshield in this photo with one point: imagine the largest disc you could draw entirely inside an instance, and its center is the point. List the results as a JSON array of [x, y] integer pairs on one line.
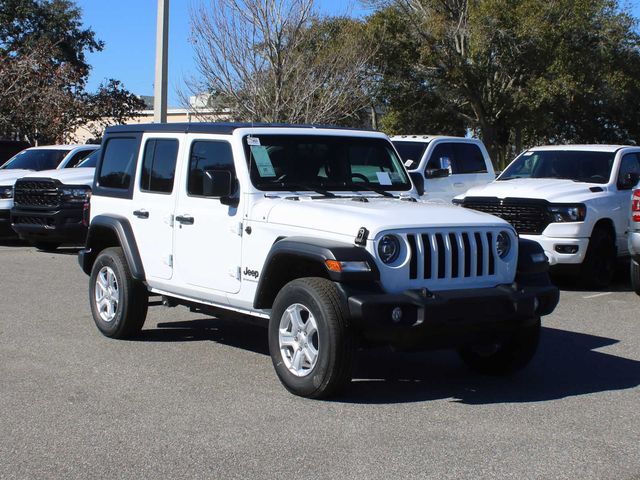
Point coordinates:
[[315, 162], [411, 151], [579, 166], [40, 159], [90, 161]]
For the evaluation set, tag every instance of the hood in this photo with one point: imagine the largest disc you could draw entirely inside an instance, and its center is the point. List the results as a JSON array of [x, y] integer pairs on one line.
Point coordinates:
[[551, 189], [9, 177], [67, 176], [346, 216]]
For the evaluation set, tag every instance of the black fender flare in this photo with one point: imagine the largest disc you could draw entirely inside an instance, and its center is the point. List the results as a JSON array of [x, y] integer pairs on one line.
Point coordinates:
[[317, 251], [122, 230]]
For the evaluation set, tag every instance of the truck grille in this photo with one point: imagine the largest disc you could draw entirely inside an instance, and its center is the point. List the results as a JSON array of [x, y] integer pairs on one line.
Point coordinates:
[[33, 220], [449, 255], [37, 193], [527, 216]]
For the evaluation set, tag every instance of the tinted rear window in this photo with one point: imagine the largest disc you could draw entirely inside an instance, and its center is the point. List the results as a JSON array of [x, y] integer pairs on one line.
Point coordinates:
[[411, 151], [40, 159], [118, 163], [159, 165]]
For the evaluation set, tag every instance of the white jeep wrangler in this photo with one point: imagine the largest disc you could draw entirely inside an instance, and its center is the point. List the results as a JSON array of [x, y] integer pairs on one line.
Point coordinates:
[[314, 230], [571, 199]]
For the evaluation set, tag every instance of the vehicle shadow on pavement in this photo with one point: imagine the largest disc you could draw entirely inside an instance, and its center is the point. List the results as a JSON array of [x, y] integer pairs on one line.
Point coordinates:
[[246, 336], [571, 282], [565, 365]]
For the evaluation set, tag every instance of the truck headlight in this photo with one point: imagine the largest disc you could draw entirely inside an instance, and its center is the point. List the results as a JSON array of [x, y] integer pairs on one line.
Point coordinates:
[[76, 194], [6, 192], [568, 213], [503, 244], [389, 249]]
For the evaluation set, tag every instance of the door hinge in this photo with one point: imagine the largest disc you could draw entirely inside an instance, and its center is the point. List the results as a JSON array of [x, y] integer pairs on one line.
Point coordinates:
[[235, 272], [237, 228], [169, 220], [168, 260]]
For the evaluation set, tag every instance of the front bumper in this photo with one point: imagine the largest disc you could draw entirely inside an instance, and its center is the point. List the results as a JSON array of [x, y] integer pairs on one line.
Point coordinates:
[[63, 225], [452, 318], [550, 246], [5, 224]]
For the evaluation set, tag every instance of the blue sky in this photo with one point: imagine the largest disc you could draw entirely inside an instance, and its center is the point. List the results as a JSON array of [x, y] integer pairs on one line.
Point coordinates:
[[128, 29]]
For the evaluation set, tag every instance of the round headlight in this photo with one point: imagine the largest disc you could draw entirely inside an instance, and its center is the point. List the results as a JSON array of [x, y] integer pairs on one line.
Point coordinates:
[[503, 244], [389, 248]]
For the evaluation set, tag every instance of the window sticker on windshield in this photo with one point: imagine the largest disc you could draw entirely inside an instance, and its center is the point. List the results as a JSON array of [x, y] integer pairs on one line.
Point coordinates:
[[253, 141], [408, 163], [384, 178], [263, 162]]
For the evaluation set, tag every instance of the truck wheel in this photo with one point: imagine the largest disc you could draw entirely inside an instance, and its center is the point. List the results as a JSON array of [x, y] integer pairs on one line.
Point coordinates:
[[309, 340], [505, 357], [46, 246], [599, 264], [635, 276], [118, 302]]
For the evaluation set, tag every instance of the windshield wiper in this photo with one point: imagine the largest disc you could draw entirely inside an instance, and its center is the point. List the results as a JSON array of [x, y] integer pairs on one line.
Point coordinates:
[[293, 186], [371, 188]]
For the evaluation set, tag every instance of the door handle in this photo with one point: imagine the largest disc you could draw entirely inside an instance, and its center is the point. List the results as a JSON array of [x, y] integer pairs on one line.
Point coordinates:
[[185, 219], [141, 213]]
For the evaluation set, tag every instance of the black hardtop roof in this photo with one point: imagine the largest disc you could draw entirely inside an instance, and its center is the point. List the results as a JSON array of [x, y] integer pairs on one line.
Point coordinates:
[[208, 127]]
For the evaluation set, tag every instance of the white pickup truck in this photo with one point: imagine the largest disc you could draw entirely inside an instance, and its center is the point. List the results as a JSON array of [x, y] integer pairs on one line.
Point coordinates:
[[449, 166], [573, 200]]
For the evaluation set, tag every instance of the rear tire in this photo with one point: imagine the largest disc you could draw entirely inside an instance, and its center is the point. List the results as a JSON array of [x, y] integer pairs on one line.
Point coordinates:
[[506, 357], [635, 276], [599, 264], [118, 302], [310, 341]]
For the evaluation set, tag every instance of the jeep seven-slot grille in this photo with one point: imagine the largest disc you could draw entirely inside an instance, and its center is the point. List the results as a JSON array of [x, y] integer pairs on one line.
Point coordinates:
[[37, 193], [526, 216], [447, 255]]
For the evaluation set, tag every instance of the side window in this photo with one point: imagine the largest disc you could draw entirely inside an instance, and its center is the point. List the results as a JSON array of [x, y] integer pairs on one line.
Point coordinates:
[[629, 164], [468, 158], [77, 158], [442, 156], [207, 155], [159, 165], [118, 163]]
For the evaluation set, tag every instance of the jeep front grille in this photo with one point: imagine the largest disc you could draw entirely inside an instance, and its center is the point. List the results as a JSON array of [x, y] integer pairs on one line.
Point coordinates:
[[527, 216], [448, 255], [37, 193]]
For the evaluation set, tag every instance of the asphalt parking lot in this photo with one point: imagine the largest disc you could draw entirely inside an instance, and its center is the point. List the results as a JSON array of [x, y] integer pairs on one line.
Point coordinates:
[[197, 397]]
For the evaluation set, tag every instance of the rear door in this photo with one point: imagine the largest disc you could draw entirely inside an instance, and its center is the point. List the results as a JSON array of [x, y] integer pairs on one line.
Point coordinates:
[[153, 203], [208, 233]]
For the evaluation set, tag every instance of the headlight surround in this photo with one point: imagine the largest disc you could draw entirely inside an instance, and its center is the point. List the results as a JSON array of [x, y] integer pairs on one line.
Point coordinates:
[[503, 244], [389, 249], [6, 192], [76, 194], [568, 213]]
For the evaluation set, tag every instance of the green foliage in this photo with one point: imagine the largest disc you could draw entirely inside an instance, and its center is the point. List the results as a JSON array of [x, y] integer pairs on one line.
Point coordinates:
[[517, 72]]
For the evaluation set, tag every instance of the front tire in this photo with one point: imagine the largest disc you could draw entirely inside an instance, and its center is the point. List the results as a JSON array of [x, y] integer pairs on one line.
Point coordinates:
[[635, 276], [118, 302], [599, 264], [310, 342], [506, 357]]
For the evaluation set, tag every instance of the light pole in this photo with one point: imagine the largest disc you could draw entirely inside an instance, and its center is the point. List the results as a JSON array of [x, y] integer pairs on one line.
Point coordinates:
[[162, 44]]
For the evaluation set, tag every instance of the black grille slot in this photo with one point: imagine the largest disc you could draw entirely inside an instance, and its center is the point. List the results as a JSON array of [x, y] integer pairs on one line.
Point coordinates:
[[526, 216], [33, 220], [441, 255], [413, 257], [37, 193], [467, 255], [426, 246], [454, 255], [492, 263], [480, 253]]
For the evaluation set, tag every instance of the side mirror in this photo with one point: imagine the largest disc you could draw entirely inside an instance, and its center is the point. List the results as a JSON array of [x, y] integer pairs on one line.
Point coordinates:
[[437, 172], [418, 181], [218, 183], [628, 181]]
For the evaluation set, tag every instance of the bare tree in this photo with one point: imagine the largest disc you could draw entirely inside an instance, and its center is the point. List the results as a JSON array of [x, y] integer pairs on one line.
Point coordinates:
[[276, 61]]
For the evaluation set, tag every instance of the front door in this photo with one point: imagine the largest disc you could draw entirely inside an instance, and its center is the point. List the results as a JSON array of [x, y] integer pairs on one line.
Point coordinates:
[[208, 233]]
